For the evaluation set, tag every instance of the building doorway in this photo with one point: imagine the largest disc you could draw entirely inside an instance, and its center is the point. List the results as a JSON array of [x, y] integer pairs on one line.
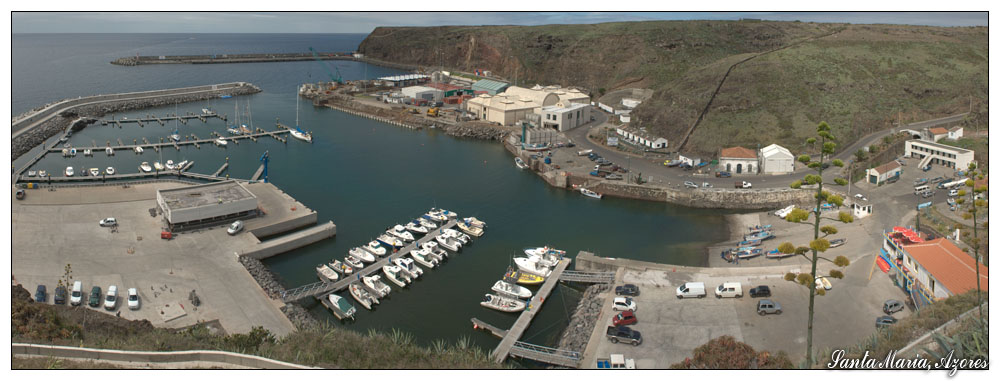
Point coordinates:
[[739, 168]]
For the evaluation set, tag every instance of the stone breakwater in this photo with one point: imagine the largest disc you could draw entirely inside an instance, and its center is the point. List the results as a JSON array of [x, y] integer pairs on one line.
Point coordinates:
[[298, 315], [470, 130], [584, 319], [58, 124]]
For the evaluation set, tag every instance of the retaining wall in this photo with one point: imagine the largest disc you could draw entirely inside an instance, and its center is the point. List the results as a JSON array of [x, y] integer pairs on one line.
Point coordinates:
[[292, 241], [284, 226], [230, 358]]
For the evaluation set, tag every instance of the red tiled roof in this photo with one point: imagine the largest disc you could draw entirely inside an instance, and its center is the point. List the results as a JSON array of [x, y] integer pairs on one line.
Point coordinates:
[[885, 168], [738, 153], [938, 131], [952, 267]]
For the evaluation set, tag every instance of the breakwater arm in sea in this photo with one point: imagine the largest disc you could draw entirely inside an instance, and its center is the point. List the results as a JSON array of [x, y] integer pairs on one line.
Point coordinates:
[[230, 58], [471, 130]]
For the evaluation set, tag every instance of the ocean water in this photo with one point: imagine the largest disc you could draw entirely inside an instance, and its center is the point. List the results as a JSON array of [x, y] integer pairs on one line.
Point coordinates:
[[364, 175]]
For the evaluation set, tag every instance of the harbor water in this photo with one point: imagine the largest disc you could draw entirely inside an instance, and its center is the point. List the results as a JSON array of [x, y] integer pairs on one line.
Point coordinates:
[[364, 175]]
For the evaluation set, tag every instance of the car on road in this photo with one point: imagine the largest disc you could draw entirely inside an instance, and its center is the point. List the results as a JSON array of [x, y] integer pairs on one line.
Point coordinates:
[[953, 193], [743, 185], [729, 290], [622, 303], [723, 174], [884, 321], [111, 299], [76, 297], [95, 297], [920, 182], [689, 184], [613, 176], [40, 294], [768, 306], [760, 291], [235, 228], [624, 335], [822, 282], [691, 290], [892, 306], [19, 194], [60, 295], [927, 193], [627, 289], [110, 221], [624, 318], [133, 299]]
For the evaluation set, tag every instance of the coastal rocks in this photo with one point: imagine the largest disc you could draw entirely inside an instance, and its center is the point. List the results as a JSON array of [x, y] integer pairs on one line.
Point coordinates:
[[584, 319], [475, 131], [299, 316], [264, 277]]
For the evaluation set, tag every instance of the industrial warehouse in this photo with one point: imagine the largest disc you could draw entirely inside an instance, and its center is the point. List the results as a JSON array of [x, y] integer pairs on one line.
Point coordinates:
[[205, 205]]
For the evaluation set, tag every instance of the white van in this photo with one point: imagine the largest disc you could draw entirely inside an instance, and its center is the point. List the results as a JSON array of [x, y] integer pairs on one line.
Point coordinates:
[[111, 299], [76, 295], [729, 290], [691, 290], [920, 189]]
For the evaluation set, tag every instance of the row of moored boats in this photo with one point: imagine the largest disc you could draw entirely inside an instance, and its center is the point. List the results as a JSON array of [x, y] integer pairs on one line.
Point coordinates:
[[532, 269], [144, 167], [749, 247]]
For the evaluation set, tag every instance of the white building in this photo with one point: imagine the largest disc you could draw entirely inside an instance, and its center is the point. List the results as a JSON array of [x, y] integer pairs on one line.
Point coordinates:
[[563, 118], [639, 136], [935, 134], [630, 103], [205, 204], [955, 133], [737, 160], [423, 92], [503, 109], [880, 174], [776, 159], [939, 154]]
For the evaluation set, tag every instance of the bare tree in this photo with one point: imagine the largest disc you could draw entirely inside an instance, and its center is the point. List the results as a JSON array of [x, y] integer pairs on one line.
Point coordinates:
[[971, 211]]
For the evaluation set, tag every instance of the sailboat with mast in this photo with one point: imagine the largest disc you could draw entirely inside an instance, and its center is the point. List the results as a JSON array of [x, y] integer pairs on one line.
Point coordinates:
[[234, 129], [297, 132], [175, 136]]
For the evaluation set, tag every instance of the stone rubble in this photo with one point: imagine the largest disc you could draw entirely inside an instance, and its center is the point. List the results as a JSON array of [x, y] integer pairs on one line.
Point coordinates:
[[584, 319]]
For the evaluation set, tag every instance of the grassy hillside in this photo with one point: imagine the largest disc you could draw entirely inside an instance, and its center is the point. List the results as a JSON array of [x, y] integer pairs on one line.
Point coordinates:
[[856, 77]]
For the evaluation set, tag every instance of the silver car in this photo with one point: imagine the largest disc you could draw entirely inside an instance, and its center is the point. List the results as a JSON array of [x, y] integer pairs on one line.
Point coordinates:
[[690, 184], [767, 306]]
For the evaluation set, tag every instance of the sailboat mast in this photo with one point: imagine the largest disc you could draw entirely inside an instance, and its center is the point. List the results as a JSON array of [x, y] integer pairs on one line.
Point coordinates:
[[296, 111]]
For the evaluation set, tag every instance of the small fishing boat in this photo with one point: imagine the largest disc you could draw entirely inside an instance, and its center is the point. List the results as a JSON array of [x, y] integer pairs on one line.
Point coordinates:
[[548, 258], [469, 229], [436, 252], [72, 151], [88, 152], [763, 235], [408, 267], [423, 257], [341, 308], [532, 266], [375, 286], [65, 152], [747, 254], [157, 166], [138, 150], [447, 213], [536, 147], [758, 228], [435, 217], [170, 165], [390, 241], [504, 288], [520, 163], [354, 262], [499, 303], [750, 243], [68, 172], [448, 242], [207, 111], [475, 222], [400, 232], [416, 227], [32, 173], [42, 173], [221, 142], [362, 254], [838, 242], [590, 193], [110, 151], [427, 223], [775, 254], [463, 238], [109, 170], [95, 171], [538, 251], [375, 248], [341, 267], [180, 166], [326, 274], [395, 275], [362, 296]]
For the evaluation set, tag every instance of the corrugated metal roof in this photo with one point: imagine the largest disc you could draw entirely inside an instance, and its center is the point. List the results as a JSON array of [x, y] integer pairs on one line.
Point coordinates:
[[490, 84]]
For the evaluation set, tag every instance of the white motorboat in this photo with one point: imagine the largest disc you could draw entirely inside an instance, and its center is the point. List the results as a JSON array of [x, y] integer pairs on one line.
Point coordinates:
[[138, 150], [170, 165], [375, 248], [354, 262], [72, 151], [341, 308], [88, 152], [395, 275], [32, 173], [473, 221], [389, 240], [400, 232], [110, 151], [207, 111], [180, 166], [436, 217], [175, 136], [341, 267], [376, 286], [42, 173], [416, 227], [427, 223], [504, 288], [457, 235], [68, 172], [145, 167], [532, 266], [590, 193], [326, 274], [361, 254], [448, 242], [233, 130], [520, 163], [548, 259], [423, 257], [447, 213], [408, 267], [221, 141], [499, 303], [157, 166], [109, 170], [363, 297], [65, 152], [469, 229], [436, 252], [95, 171]]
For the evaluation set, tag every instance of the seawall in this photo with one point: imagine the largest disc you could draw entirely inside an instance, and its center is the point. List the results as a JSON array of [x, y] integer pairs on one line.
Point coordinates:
[[480, 131]]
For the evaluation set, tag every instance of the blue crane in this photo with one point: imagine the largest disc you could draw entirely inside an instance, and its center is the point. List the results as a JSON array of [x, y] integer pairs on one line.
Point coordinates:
[[336, 79], [264, 159]]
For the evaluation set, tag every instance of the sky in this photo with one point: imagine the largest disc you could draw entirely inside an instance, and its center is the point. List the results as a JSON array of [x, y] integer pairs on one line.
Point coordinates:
[[365, 22]]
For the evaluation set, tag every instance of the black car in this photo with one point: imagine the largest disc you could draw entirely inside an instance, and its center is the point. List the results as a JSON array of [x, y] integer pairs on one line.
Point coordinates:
[[760, 291], [60, 296], [624, 335], [95, 297], [40, 294], [628, 289], [884, 321]]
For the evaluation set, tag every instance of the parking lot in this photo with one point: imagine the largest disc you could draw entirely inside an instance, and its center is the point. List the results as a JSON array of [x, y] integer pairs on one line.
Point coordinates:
[[54, 228]]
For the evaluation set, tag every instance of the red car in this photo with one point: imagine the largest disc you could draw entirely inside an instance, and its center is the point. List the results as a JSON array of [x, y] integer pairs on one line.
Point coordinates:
[[624, 318]]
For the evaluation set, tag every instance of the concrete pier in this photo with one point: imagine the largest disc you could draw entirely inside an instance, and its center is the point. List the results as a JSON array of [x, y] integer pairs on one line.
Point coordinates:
[[231, 58], [514, 334], [292, 241]]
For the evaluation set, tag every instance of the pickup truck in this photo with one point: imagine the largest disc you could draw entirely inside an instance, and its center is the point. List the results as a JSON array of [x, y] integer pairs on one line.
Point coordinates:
[[624, 335], [743, 185]]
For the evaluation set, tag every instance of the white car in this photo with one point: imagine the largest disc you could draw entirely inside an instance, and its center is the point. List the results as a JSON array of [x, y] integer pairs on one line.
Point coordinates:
[[110, 221], [111, 298], [861, 197], [133, 299], [953, 193], [235, 228], [623, 304], [76, 295], [690, 184], [822, 282]]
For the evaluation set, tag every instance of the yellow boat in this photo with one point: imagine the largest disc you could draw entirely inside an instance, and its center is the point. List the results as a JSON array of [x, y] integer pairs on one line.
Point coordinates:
[[526, 278]]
